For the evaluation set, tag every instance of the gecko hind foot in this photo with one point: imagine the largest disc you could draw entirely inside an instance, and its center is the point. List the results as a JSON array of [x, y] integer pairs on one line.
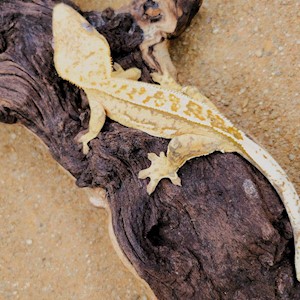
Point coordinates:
[[160, 168]]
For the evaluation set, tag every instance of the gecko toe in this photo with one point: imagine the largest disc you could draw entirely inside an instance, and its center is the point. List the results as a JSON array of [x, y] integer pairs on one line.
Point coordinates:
[[152, 157], [151, 186], [84, 141], [85, 148], [175, 179], [143, 174]]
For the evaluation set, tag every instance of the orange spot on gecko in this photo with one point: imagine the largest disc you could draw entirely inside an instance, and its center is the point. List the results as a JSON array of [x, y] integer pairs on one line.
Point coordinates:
[[235, 132], [142, 91], [147, 99], [175, 102], [194, 110], [159, 99], [132, 93], [218, 122], [121, 88], [159, 94]]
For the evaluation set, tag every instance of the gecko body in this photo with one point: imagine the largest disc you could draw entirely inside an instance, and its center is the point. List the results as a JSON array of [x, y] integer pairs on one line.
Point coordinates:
[[191, 121]]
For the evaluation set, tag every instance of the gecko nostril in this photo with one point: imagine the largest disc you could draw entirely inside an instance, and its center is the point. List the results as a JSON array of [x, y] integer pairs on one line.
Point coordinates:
[[3, 44]]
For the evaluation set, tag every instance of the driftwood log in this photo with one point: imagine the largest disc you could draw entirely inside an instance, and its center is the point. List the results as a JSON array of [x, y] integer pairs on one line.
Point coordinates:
[[223, 235]]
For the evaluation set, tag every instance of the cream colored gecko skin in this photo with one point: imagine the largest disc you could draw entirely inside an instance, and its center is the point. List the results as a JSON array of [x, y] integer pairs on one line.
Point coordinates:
[[191, 121]]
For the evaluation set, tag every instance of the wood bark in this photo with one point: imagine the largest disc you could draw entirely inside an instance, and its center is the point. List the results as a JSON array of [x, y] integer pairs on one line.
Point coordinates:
[[223, 235]]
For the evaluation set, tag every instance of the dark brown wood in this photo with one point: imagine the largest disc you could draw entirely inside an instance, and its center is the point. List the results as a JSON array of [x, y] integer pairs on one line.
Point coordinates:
[[223, 235]]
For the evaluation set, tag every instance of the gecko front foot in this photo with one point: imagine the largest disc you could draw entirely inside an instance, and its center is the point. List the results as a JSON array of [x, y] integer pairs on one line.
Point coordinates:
[[160, 168], [85, 139]]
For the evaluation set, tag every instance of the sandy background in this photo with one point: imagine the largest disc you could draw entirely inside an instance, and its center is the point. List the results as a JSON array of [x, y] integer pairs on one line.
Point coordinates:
[[54, 244]]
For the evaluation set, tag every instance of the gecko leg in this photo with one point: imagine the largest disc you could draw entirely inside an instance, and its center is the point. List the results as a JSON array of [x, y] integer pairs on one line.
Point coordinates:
[[167, 81], [132, 73], [96, 122], [181, 149]]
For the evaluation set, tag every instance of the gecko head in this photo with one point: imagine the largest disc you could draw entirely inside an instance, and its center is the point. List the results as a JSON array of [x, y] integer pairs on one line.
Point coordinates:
[[81, 53]]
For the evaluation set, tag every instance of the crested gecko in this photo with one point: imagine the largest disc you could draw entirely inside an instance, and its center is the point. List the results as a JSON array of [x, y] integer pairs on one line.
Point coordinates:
[[182, 114]]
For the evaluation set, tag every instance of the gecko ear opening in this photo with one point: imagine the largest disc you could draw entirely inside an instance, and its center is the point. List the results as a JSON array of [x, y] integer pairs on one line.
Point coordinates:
[[81, 53]]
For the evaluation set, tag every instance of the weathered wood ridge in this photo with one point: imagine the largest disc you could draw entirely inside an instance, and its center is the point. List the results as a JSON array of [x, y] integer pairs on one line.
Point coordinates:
[[223, 235]]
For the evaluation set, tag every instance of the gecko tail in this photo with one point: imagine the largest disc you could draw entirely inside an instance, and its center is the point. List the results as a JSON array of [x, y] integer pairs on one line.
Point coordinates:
[[286, 190]]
